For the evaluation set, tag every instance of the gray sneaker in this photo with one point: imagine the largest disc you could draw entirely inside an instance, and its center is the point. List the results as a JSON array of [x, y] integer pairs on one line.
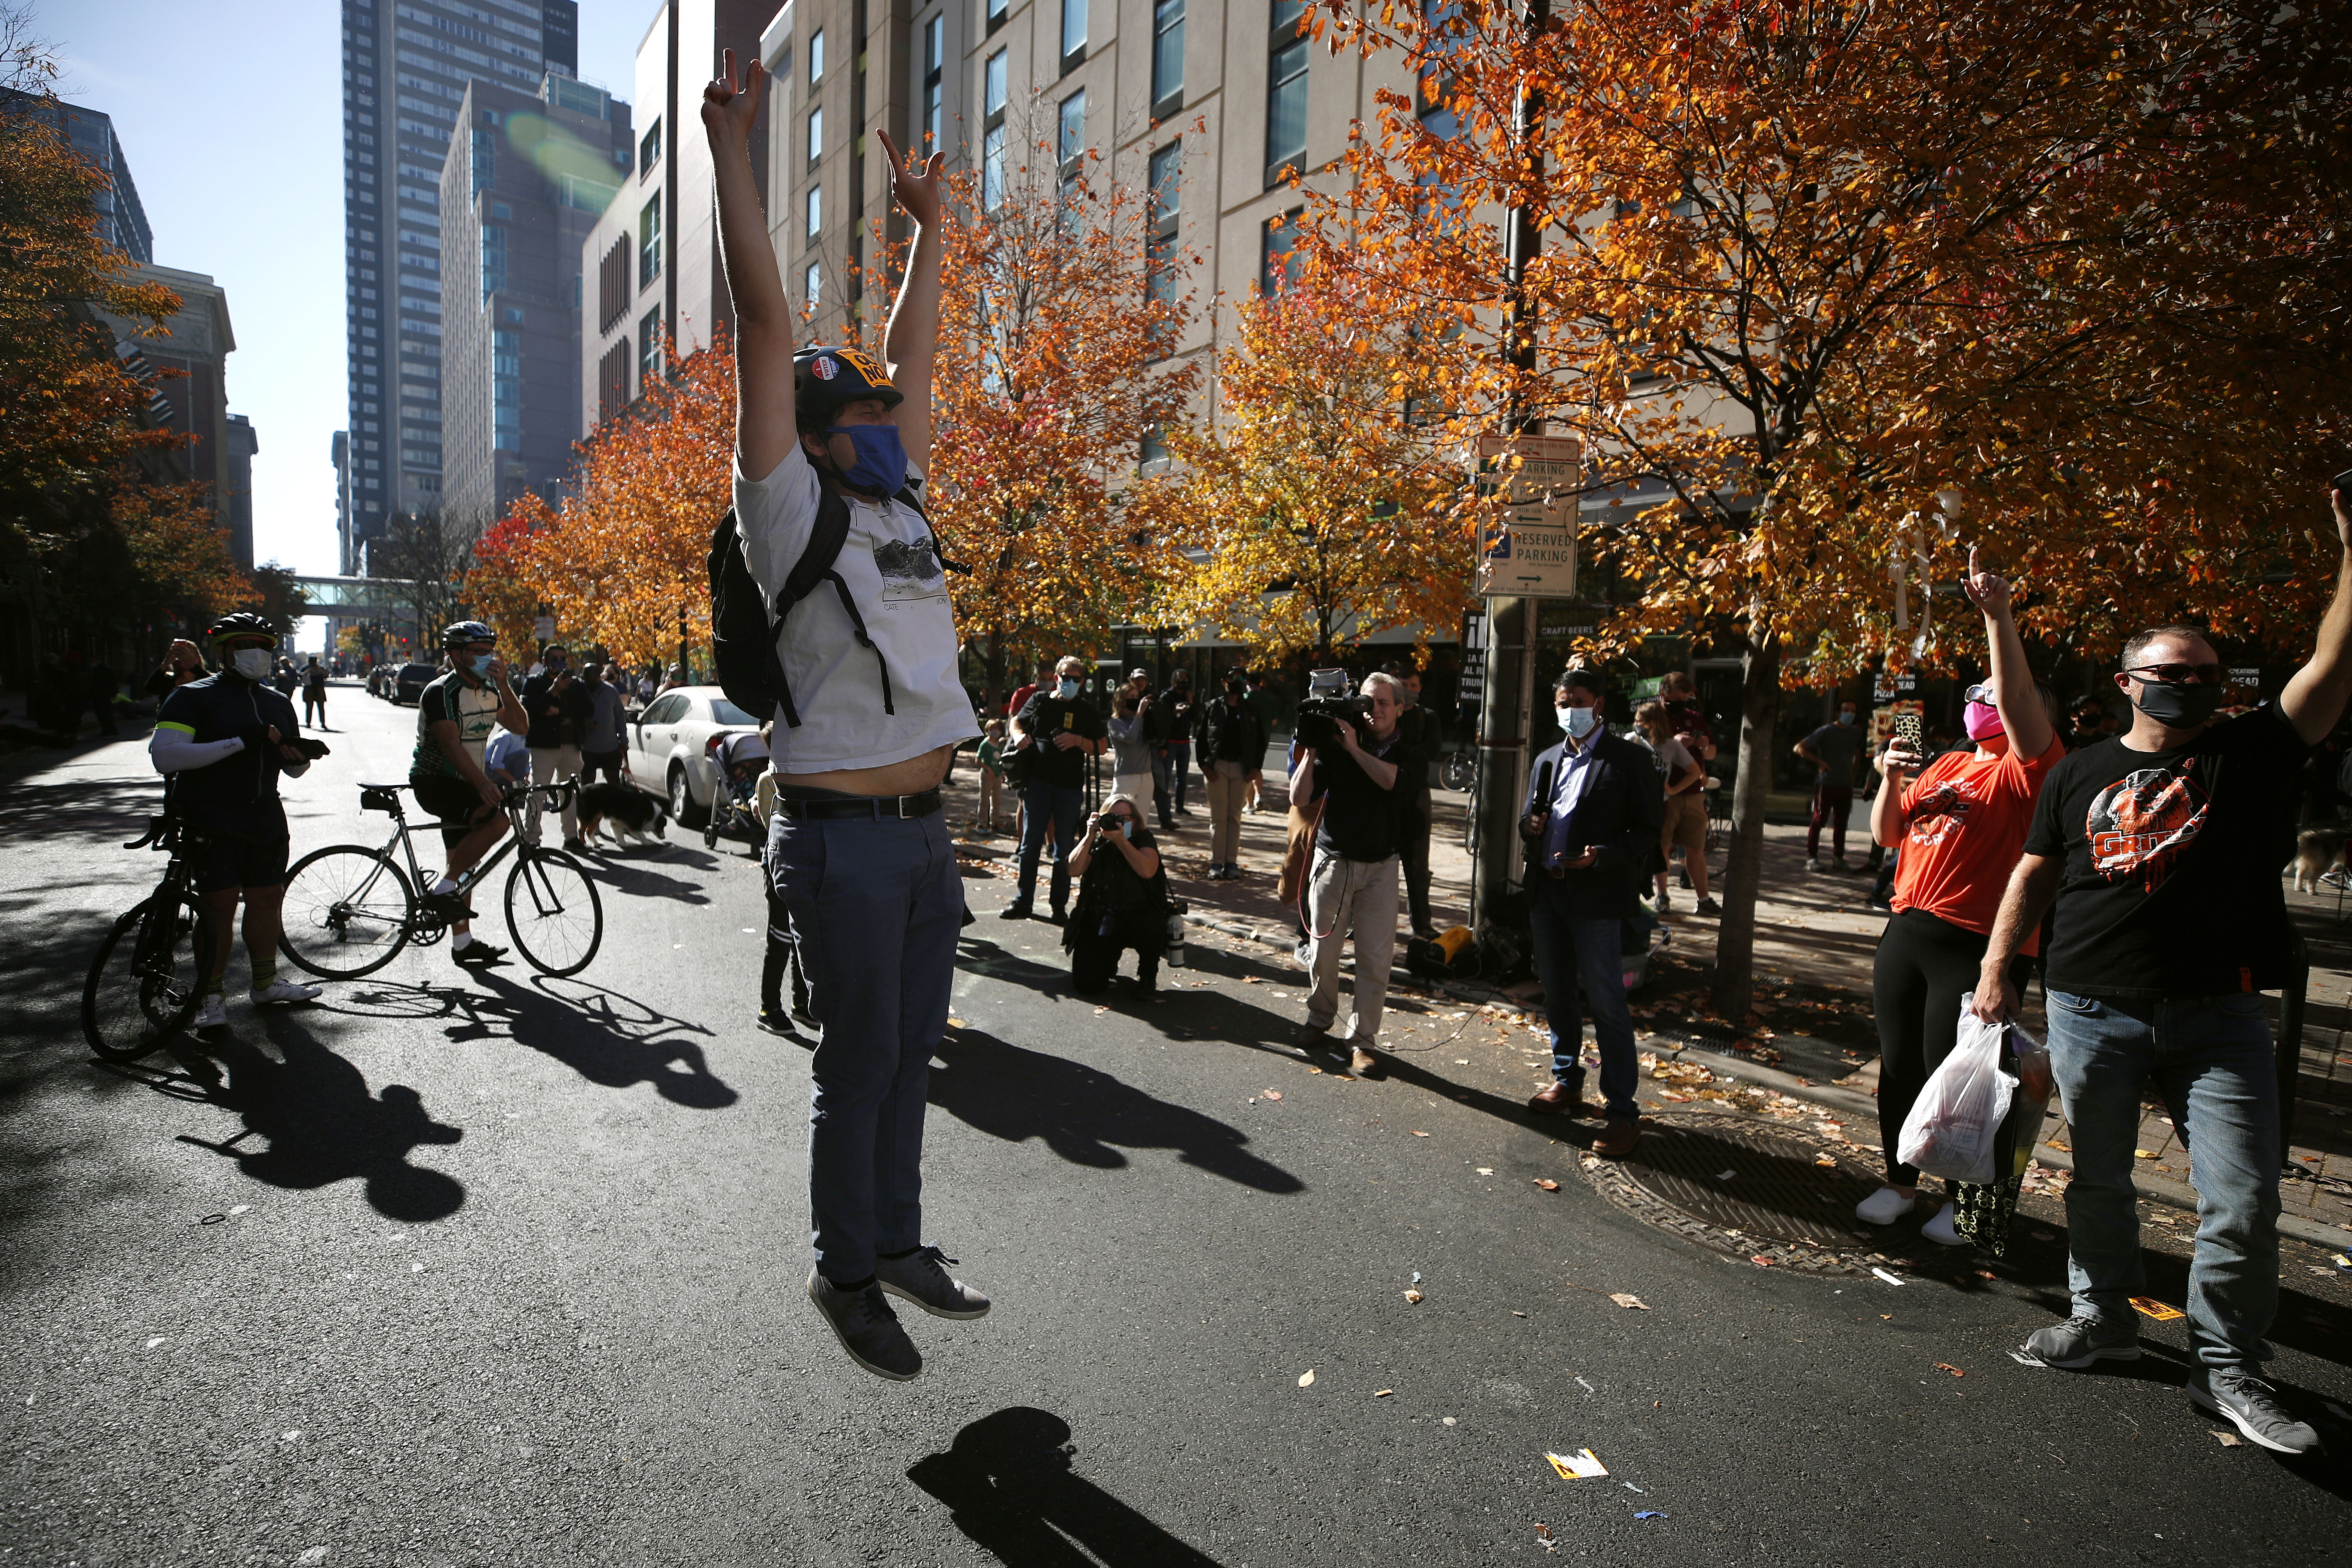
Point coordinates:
[[2082, 1339], [922, 1278], [2253, 1407], [868, 1330]]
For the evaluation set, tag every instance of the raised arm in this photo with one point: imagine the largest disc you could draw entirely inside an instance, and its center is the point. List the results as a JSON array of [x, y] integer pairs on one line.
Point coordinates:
[[2021, 714], [764, 430], [2314, 699], [913, 336]]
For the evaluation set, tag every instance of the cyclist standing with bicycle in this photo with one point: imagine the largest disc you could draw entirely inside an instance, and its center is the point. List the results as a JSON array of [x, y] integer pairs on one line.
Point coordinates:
[[455, 716], [222, 742]]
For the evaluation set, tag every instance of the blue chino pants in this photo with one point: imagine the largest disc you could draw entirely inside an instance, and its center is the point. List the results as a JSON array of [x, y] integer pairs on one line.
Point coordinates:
[[876, 904], [1055, 807], [2212, 1059], [1569, 950]]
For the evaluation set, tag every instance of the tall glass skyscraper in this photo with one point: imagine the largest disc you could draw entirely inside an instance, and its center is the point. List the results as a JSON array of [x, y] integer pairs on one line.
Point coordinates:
[[405, 66]]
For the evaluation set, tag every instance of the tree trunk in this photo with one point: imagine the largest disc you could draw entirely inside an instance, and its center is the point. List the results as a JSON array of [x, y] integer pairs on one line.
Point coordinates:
[[1734, 946]]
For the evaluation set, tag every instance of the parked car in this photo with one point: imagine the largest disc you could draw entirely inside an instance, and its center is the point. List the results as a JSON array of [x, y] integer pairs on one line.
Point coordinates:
[[409, 685], [669, 744]]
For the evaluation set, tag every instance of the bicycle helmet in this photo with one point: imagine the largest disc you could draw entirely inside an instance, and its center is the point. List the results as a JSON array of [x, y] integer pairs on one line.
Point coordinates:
[[466, 631], [826, 380], [243, 624]]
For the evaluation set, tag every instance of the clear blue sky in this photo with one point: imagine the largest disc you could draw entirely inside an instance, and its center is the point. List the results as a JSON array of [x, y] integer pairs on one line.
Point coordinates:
[[231, 119]]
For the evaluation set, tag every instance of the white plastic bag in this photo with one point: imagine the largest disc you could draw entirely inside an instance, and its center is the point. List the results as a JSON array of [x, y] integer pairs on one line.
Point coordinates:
[[1952, 1127]]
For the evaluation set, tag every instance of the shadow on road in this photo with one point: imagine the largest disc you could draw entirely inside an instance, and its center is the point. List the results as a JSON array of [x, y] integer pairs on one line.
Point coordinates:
[[638, 879], [1081, 1112], [323, 1126], [606, 1038], [1178, 1012], [1013, 1490]]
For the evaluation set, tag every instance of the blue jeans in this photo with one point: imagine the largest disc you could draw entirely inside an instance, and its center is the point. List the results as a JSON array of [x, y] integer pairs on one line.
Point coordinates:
[[1180, 764], [2212, 1059], [875, 906], [1568, 950], [1047, 805]]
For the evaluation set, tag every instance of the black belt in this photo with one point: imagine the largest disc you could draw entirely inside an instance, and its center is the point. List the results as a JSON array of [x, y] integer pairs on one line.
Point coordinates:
[[872, 807]]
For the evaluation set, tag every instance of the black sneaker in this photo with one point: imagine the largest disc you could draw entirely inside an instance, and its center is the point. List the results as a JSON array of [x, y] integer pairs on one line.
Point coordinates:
[[479, 952], [776, 1022], [2082, 1339], [1014, 912], [2253, 1407], [921, 1276], [1707, 907], [868, 1329], [577, 846], [1059, 918], [448, 908]]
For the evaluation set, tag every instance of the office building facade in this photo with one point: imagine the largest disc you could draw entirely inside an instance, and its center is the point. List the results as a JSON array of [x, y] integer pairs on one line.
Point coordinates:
[[186, 374], [406, 66], [121, 220], [526, 179], [650, 268]]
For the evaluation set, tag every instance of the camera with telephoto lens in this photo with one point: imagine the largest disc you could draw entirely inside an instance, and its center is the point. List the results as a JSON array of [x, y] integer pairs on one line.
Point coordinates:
[[1328, 700]]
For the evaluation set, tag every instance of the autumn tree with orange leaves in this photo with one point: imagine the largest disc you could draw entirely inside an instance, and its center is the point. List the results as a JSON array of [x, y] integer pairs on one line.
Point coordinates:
[[1055, 326], [1321, 507], [1806, 265]]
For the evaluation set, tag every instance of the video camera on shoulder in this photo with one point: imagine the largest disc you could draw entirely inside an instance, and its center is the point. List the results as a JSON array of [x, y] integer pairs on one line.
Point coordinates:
[[1329, 699]]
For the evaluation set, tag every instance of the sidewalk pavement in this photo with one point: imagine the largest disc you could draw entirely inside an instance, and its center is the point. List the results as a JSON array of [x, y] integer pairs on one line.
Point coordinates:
[[1810, 1035]]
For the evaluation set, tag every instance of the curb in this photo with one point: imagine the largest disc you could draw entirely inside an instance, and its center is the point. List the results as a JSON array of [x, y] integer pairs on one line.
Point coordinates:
[[2172, 1194]]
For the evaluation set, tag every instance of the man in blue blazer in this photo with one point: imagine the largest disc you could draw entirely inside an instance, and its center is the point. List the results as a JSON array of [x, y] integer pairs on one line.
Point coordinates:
[[1595, 806]]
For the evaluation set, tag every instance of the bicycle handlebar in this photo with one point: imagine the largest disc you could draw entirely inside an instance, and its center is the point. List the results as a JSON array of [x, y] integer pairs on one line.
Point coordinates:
[[157, 827]]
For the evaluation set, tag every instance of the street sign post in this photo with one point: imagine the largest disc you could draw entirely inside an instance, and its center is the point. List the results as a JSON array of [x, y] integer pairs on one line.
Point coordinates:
[[1532, 552]]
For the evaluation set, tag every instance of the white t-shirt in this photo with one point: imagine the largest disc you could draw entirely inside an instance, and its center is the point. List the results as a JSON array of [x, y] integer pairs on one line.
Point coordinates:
[[893, 570]]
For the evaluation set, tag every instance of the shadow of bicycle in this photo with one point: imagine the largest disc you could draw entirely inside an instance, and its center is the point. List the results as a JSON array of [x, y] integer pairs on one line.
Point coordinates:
[[609, 1038]]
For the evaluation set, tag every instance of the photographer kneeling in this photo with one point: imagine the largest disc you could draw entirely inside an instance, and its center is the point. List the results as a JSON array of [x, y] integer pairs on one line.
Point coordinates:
[[1365, 786], [1122, 902]]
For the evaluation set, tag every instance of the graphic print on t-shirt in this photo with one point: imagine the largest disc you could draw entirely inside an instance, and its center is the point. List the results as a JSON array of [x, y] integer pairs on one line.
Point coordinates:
[[910, 569], [1939, 813], [2139, 824]]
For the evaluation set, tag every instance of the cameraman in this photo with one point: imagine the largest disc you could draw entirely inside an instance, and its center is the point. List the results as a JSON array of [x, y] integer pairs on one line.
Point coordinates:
[[1123, 900], [1365, 784], [1063, 731]]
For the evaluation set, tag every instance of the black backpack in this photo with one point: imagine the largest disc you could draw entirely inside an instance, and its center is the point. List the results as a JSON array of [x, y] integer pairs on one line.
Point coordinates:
[[743, 625]]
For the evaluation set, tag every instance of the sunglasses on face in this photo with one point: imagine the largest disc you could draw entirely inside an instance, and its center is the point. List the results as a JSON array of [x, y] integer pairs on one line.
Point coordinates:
[[2179, 674], [1122, 816], [1982, 691]]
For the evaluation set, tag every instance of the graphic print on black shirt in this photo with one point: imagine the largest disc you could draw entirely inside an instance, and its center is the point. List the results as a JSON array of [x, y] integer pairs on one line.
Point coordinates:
[[1941, 812], [2141, 825]]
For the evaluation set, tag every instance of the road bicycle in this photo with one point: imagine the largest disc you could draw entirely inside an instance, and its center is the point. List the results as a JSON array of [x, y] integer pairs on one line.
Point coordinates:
[[147, 981], [1457, 770], [350, 909]]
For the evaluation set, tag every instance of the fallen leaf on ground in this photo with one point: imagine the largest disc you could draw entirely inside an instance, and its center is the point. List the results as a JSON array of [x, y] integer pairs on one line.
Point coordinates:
[[1273, 1094], [1627, 1299], [1100, 1011], [1485, 1169], [2150, 1307], [1760, 1261], [1947, 1366], [1315, 1069], [2143, 1154], [1412, 1294], [2227, 1440], [955, 1023], [1547, 1184], [1420, 1134], [1826, 1161], [1307, 1377], [1383, 1393]]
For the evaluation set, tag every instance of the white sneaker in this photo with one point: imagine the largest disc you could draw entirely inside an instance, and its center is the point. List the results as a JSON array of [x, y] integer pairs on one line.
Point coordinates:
[[283, 991], [213, 1014], [1939, 1230], [1883, 1206]]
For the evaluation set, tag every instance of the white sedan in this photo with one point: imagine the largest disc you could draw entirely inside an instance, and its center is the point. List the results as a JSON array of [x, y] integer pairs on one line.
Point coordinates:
[[669, 748]]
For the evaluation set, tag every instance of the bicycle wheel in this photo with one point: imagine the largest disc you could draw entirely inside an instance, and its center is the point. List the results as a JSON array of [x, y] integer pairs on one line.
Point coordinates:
[[552, 911], [348, 912], [1459, 771], [148, 978]]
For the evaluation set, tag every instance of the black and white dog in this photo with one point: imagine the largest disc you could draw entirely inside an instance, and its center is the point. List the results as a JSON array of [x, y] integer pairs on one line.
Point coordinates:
[[631, 813]]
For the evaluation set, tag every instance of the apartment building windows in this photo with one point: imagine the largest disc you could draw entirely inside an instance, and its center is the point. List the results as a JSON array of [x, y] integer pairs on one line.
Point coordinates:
[[991, 146], [815, 135], [815, 211], [817, 54], [506, 391], [997, 10], [649, 365], [1070, 139], [812, 284], [1279, 262], [991, 86], [649, 242], [935, 57], [1167, 58], [1074, 32], [649, 150], [1286, 94], [1166, 196]]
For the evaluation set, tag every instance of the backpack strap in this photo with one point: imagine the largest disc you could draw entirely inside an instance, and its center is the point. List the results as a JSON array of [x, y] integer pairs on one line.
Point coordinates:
[[914, 503]]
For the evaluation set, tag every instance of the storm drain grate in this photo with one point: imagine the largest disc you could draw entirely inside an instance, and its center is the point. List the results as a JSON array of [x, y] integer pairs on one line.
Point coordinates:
[[1749, 1181]]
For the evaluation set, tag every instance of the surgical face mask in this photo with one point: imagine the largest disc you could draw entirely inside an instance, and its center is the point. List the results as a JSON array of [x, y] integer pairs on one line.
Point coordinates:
[[1981, 719], [2178, 706], [881, 464], [1845, 716], [1065, 687], [1126, 828], [251, 663], [555, 661], [464, 661], [1578, 721]]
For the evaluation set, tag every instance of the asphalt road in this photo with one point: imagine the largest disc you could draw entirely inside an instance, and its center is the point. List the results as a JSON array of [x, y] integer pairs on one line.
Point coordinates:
[[497, 1269]]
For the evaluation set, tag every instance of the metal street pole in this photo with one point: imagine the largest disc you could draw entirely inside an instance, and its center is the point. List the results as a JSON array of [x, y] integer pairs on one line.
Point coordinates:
[[1511, 622]]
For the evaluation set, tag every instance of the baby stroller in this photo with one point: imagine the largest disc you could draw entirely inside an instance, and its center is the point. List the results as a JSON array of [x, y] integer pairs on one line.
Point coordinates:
[[740, 757]]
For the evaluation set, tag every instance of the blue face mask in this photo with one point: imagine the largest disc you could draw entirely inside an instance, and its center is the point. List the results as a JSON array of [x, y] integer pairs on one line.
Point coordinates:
[[881, 466], [1066, 688]]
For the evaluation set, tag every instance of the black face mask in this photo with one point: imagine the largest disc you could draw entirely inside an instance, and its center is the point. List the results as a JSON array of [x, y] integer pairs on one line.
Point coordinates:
[[2181, 707]]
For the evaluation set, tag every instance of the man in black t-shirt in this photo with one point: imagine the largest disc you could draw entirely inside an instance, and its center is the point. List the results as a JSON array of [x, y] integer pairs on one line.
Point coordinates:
[[1832, 749], [1365, 784], [1062, 731], [2161, 848]]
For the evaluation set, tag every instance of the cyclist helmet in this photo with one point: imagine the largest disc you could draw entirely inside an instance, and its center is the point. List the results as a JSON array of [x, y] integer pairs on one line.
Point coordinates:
[[243, 624], [826, 380], [466, 631]]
